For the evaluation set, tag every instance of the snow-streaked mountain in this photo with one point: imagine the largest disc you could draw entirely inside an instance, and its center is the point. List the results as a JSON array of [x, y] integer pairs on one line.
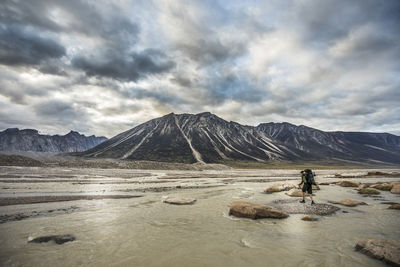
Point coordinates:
[[207, 138], [15, 140]]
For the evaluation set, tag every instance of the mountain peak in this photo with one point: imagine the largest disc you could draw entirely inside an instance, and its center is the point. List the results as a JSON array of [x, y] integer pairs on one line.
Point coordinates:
[[74, 133], [204, 114]]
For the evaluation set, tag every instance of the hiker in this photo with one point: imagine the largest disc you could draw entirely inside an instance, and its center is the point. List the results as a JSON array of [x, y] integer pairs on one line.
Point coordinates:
[[307, 180]]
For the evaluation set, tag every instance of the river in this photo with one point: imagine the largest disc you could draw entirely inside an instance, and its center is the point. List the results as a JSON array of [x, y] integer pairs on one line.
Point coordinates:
[[144, 231]]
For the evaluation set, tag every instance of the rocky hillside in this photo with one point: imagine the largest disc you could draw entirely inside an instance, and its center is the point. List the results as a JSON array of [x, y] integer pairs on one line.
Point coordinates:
[[345, 146], [15, 140], [207, 138]]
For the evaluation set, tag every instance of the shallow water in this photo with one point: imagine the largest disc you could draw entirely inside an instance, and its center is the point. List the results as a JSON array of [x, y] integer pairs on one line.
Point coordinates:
[[146, 232]]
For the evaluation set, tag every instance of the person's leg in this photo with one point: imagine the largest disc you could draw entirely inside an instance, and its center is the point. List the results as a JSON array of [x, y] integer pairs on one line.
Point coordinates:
[[309, 191], [303, 191]]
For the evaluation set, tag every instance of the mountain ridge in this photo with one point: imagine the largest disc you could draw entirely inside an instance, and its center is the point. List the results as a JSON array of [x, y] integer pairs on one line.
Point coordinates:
[[207, 138], [30, 140]]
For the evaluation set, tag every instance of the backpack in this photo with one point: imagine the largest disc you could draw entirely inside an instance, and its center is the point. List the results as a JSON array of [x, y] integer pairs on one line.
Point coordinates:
[[309, 176]]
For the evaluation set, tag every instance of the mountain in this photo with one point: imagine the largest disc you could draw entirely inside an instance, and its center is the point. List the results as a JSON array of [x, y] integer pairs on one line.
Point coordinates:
[[15, 140], [204, 137], [345, 146]]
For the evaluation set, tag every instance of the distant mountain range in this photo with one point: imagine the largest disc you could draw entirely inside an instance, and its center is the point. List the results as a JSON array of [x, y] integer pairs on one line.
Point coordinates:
[[207, 138], [29, 140]]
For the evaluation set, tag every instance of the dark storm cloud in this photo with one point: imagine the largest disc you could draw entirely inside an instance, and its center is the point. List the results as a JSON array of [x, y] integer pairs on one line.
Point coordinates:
[[83, 17], [132, 67], [206, 51], [21, 47], [159, 96], [181, 80], [55, 108], [329, 20], [30, 13], [116, 36], [240, 59], [232, 86]]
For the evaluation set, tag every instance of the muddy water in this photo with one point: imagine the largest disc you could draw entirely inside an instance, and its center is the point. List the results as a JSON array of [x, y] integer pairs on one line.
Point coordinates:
[[147, 232]]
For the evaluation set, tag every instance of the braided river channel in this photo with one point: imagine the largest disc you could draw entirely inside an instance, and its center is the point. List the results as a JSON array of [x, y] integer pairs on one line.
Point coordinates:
[[118, 218]]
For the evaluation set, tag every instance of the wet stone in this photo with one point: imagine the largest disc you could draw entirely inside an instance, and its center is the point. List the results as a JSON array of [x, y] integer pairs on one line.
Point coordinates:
[[368, 191], [58, 239], [309, 219], [348, 184], [180, 201], [381, 249], [348, 202], [255, 211], [394, 207]]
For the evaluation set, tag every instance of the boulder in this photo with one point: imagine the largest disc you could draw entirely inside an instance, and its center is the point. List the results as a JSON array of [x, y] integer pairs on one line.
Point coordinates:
[[383, 187], [394, 206], [279, 188], [309, 219], [272, 189], [368, 191], [348, 184], [180, 201], [381, 249], [395, 188], [348, 202], [58, 239], [294, 193], [255, 211]]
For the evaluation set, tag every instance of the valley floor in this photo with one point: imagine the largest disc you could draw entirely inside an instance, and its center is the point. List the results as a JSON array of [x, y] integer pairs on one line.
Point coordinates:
[[118, 218]]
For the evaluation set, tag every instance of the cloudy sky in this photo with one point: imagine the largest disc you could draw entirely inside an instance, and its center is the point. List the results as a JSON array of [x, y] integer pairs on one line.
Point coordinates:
[[102, 67]]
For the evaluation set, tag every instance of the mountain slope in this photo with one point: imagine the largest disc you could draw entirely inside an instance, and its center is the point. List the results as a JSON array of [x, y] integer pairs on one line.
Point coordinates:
[[207, 138], [13, 140], [190, 138], [358, 146]]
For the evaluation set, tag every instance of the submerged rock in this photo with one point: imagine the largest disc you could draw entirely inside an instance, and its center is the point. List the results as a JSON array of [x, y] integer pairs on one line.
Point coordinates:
[[394, 206], [180, 201], [348, 184], [389, 202], [324, 183], [368, 191], [383, 187], [255, 211], [309, 219], [348, 202], [386, 250], [295, 207], [58, 239]]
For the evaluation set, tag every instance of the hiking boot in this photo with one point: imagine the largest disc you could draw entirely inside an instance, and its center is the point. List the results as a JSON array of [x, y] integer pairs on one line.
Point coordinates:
[[312, 202], [302, 201]]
